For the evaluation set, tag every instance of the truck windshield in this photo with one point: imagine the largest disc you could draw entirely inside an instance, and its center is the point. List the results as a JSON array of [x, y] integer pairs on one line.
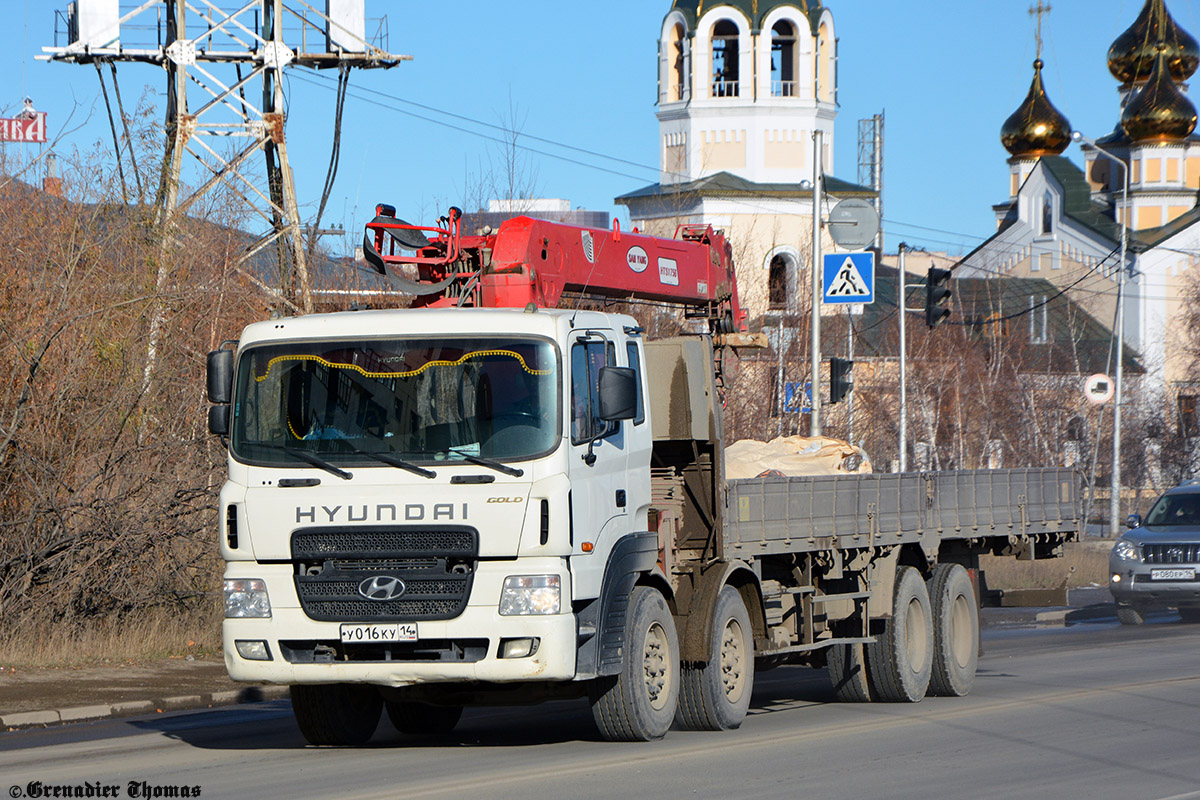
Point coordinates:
[[422, 400]]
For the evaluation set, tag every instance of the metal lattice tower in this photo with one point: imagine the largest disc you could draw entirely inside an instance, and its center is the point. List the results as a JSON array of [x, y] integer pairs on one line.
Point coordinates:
[[225, 53], [870, 164]]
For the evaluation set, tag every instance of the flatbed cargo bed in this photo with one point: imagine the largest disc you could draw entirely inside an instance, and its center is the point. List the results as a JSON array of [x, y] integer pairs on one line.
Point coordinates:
[[776, 515]]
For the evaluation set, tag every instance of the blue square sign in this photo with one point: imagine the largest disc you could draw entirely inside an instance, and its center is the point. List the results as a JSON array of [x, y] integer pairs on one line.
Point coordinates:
[[849, 278]]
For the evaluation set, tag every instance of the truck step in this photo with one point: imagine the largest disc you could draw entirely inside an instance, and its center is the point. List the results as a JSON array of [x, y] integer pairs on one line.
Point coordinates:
[[808, 648], [828, 598]]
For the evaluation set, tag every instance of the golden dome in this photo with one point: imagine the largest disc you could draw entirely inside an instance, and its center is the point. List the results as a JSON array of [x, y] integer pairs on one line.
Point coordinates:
[[1131, 57], [1159, 111], [1036, 128]]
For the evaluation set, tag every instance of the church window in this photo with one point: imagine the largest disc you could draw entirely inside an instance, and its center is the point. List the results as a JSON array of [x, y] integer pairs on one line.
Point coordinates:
[[1187, 415], [1038, 332], [725, 59], [783, 59], [780, 277], [1047, 227]]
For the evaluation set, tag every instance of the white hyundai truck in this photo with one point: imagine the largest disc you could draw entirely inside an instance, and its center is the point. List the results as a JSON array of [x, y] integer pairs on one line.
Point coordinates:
[[490, 498]]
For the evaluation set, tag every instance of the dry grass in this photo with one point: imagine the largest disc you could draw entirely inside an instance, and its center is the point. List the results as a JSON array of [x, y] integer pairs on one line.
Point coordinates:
[[1082, 564], [151, 636]]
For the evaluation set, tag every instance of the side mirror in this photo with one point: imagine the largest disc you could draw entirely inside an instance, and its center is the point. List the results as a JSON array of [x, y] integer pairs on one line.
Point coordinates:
[[218, 420], [220, 376], [618, 393], [1133, 521]]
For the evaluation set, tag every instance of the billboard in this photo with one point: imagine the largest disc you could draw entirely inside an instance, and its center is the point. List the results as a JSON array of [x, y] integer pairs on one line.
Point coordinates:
[[28, 126]]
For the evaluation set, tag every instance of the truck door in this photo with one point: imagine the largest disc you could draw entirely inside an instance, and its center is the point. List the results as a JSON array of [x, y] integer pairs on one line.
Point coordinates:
[[599, 491]]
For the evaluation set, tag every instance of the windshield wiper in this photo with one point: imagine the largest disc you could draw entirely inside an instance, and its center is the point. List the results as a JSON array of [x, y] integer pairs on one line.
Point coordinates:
[[321, 463], [398, 463], [487, 462]]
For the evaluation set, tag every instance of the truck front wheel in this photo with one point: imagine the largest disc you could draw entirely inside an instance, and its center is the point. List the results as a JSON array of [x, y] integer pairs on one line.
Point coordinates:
[[340, 714], [714, 696], [422, 718], [900, 661], [955, 631], [638, 703]]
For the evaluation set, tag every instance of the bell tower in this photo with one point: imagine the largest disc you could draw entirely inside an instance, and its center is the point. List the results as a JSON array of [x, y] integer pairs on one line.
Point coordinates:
[[742, 86]]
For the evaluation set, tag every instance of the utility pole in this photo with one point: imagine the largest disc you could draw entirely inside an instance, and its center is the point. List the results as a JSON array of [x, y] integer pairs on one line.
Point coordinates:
[[223, 53], [902, 310], [1114, 501], [817, 194]]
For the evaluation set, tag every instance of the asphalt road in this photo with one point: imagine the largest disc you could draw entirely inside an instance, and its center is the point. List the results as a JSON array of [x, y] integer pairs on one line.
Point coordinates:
[[1091, 711]]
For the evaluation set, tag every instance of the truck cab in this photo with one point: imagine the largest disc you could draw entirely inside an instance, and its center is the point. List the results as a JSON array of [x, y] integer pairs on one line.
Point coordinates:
[[418, 496]]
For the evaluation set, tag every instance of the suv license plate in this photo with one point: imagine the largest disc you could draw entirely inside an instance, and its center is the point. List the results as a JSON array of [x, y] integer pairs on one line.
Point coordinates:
[[1188, 574], [394, 632]]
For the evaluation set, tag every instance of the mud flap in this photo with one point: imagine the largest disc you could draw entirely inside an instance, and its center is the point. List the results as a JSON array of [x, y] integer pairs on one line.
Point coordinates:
[[602, 621]]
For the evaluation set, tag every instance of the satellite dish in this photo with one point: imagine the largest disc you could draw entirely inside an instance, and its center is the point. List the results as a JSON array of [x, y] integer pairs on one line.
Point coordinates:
[[853, 224]]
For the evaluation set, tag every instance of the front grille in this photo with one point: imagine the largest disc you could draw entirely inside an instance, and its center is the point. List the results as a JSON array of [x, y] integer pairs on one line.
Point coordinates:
[[316, 588], [382, 564], [466, 651], [376, 542], [1171, 553], [371, 610], [437, 568]]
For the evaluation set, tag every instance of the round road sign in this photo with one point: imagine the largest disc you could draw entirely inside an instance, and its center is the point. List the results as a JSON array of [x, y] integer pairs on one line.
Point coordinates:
[[853, 223], [1098, 389]]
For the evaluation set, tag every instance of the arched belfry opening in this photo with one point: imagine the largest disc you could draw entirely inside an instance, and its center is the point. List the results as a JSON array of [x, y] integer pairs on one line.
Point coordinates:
[[725, 59], [677, 77], [784, 45]]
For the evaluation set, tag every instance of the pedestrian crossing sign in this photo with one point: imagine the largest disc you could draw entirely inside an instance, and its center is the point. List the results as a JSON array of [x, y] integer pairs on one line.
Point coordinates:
[[849, 278]]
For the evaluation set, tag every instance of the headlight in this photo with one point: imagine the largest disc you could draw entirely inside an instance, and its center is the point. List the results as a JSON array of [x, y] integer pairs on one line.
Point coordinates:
[[530, 594], [1125, 550], [246, 597]]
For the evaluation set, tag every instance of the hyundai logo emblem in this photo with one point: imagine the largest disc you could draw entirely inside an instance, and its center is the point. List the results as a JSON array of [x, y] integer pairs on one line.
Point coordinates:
[[381, 587]]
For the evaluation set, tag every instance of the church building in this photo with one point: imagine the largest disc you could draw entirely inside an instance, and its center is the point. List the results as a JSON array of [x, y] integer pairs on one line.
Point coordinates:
[[1064, 223]]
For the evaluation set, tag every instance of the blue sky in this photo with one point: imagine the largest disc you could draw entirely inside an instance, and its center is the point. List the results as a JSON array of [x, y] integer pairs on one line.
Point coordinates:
[[946, 73]]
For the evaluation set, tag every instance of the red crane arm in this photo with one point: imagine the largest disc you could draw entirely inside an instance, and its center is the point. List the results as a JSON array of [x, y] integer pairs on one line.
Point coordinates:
[[534, 261]]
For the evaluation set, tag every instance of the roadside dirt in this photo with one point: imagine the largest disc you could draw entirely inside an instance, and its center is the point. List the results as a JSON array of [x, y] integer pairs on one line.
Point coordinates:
[[41, 689]]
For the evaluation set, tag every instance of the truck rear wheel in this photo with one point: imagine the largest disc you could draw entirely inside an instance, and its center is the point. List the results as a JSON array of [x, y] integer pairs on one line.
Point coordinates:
[[899, 661], [714, 696], [955, 631], [638, 703], [422, 718], [848, 673], [340, 714]]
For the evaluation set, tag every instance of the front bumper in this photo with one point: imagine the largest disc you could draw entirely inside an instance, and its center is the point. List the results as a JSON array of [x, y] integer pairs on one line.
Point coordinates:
[[466, 648], [1132, 583]]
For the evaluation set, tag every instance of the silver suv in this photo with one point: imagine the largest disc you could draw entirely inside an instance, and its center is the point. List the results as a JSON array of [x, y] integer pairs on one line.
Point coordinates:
[[1156, 563]]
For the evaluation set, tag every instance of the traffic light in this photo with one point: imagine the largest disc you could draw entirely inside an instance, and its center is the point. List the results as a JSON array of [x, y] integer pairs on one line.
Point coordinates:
[[840, 380], [936, 294]]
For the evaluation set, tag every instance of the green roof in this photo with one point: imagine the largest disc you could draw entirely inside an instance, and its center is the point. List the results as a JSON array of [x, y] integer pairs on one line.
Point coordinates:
[[754, 10], [1077, 198], [726, 184]]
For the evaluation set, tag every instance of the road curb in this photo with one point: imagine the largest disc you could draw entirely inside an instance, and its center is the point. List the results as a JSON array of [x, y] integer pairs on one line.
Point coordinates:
[[250, 694]]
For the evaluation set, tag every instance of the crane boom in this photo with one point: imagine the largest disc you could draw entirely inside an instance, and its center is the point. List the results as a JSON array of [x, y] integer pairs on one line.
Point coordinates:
[[535, 261]]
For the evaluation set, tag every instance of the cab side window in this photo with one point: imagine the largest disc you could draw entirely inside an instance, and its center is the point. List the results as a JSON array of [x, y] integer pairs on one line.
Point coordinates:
[[635, 362], [586, 360]]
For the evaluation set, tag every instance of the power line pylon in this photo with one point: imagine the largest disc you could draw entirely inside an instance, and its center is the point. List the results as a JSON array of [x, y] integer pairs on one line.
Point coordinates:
[[224, 52]]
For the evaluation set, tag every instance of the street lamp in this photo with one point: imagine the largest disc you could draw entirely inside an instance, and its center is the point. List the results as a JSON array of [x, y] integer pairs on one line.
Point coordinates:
[[1114, 503]]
